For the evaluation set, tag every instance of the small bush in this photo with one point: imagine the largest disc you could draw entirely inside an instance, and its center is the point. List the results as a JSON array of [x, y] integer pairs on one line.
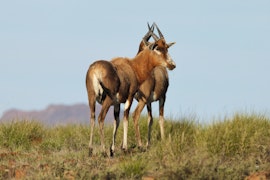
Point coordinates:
[[133, 168], [240, 134], [21, 134], [71, 137]]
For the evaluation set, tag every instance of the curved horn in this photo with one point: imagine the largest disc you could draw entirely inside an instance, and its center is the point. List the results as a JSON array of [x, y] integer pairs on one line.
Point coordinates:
[[152, 32], [156, 38], [148, 34], [159, 32], [149, 28]]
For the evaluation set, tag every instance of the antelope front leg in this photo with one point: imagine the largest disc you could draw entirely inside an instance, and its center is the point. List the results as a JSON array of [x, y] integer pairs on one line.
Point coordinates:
[[125, 122], [161, 117], [136, 116], [150, 123]]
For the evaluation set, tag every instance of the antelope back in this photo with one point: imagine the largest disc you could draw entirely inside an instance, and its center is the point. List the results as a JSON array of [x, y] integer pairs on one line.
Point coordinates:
[[127, 76]]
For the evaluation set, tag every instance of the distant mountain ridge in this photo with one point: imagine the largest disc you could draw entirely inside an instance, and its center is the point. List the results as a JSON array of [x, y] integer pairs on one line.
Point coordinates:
[[57, 114]]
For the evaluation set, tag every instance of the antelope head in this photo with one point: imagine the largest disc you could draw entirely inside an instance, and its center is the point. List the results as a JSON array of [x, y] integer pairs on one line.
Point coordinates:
[[161, 47]]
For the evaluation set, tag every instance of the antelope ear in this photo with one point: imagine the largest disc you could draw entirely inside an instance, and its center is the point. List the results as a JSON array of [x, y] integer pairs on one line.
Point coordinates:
[[170, 44]]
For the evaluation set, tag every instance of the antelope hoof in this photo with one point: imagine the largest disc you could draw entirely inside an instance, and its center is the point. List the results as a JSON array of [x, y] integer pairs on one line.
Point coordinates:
[[90, 153], [141, 149], [111, 152], [104, 154], [125, 150]]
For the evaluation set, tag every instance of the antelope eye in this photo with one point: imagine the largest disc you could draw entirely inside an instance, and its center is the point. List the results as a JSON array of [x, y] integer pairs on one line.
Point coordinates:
[[158, 48]]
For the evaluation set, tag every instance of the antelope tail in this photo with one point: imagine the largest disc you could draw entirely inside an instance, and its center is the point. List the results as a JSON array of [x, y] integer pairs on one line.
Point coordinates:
[[106, 90]]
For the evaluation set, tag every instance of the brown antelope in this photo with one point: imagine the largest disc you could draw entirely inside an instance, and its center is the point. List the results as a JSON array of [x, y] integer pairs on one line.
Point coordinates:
[[116, 81], [154, 88]]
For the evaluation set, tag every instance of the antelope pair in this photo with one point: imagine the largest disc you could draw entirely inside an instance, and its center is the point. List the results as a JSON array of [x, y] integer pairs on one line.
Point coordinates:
[[117, 81]]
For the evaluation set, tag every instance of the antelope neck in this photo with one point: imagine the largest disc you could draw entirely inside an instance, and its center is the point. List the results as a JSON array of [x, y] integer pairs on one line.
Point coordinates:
[[143, 64]]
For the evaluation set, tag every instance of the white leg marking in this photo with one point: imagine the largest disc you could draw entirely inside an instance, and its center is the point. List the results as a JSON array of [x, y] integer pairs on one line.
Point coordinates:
[[114, 131], [117, 97], [154, 96], [125, 134], [127, 104], [161, 124]]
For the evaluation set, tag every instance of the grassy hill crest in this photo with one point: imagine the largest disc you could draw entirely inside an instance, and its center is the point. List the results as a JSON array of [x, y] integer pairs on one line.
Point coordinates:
[[230, 148]]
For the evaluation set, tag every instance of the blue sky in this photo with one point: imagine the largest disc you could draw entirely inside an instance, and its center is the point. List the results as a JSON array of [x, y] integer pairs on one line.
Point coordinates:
[[222, 51]]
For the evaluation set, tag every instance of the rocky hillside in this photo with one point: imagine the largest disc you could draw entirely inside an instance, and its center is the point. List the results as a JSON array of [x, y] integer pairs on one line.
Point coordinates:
[[57, 114]]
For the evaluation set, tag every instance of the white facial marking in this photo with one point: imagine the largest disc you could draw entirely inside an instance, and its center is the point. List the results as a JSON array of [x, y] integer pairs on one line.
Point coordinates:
[[158, 52]]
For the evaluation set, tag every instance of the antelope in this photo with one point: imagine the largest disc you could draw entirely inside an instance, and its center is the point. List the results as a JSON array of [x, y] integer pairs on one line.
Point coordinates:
[[116, 81], [154, 88]]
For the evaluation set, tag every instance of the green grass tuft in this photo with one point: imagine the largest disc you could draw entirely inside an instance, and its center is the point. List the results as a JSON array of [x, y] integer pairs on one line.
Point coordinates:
[[21, 134], [242, 134]]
